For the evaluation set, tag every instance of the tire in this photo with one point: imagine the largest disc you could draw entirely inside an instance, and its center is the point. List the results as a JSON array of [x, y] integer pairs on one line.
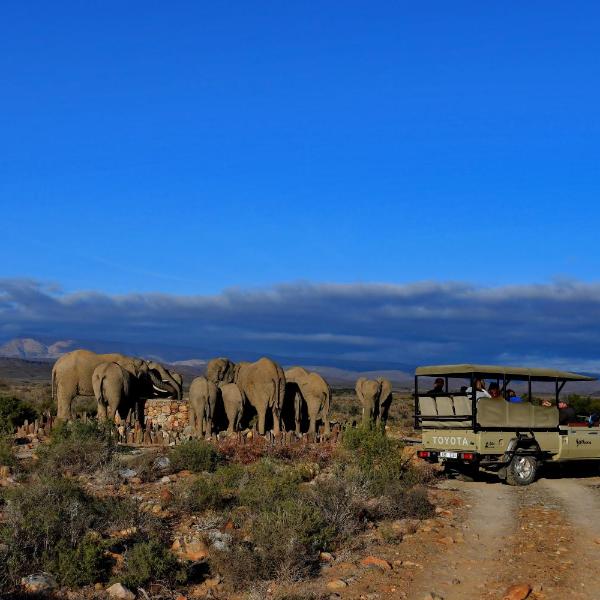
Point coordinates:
[[522, 470]]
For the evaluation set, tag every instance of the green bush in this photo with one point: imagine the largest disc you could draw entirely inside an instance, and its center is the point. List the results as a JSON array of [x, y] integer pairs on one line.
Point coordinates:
[[377, 456], [52, 524], [151, 561], [196, 494], [80, 565], [196, 456], [341, 500], [286, 540], [7, 457], [43, 517], [13, 413], [269, 483], [78, 447]]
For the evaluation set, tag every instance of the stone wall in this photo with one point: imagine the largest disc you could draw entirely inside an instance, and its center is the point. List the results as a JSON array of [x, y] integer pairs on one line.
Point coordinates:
[[170, 415]]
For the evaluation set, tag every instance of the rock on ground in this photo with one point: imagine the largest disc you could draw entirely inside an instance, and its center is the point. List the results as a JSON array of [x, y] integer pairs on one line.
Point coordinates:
[[120, 592], [39, 582]]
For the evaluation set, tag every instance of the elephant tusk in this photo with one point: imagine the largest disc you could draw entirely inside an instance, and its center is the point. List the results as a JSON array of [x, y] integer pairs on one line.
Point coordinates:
[[160, 389]]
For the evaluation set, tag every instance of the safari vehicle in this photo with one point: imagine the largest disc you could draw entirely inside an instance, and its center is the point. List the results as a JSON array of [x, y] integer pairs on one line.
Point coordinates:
[[509, 438]]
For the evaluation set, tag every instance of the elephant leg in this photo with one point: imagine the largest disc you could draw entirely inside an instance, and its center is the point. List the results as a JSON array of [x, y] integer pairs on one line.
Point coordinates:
[[208, 425], [230, 421], [276, 419], [64, 398], [101, 412], [326, 424], [298, 413], [111, 411], [262, 414], [312, 418]]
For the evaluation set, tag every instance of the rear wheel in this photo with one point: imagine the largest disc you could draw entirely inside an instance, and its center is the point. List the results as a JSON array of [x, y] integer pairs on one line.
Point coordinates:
[[521, 470]]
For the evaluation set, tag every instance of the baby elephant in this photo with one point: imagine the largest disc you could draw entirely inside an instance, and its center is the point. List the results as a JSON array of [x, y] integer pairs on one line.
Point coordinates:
[[113, 386], [233, 403]]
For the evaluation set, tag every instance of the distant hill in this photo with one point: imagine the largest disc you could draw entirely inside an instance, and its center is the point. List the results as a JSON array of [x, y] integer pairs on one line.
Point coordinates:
[[29, 348], [17, 369]]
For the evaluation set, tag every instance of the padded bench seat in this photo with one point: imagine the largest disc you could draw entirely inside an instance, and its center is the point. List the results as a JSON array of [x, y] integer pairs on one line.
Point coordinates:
[[444, 406], [491, 412], [497, 412]]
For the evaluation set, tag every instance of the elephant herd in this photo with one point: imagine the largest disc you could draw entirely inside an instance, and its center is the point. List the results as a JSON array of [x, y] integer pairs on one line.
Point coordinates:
[[288, 398], [282, 400]]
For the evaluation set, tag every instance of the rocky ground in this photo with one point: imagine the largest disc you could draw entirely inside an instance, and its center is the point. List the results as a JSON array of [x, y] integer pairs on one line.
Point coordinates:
[[486, 541], [490, 541]]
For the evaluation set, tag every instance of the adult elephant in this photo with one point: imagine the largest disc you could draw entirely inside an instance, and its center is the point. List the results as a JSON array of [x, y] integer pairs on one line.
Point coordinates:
[[375, 396], [72, 376], [165, 381], [261, 384], [115, 390], [233, 404], [313, 392], [203, 400]]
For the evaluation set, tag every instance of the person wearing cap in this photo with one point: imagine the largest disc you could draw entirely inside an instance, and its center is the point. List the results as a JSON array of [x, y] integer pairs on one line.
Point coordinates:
[[438, 387]]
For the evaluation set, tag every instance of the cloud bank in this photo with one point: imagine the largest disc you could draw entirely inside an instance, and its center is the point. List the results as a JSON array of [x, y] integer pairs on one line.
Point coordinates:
[[360, 325]]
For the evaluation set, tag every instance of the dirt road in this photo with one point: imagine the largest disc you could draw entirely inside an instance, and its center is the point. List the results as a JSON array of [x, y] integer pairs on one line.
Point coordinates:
[[546, 535]]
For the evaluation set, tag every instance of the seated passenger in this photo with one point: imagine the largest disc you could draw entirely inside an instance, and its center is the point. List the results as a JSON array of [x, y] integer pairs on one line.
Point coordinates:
[[566, 413], [438, 388], [481, 392], [494, 390], [511, 396]]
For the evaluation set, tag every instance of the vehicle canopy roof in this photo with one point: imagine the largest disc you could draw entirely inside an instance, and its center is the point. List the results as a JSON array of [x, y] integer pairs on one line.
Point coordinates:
[[492, 371]]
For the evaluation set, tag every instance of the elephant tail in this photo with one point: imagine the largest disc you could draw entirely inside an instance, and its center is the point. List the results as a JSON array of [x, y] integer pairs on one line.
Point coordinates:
[[53, 391], [99, 389]]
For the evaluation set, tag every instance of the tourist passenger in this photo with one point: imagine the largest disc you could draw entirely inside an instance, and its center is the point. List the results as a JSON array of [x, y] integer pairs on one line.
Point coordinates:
[[566, 413], [494, 390], [481, 392], [438, 388], [512, 396]]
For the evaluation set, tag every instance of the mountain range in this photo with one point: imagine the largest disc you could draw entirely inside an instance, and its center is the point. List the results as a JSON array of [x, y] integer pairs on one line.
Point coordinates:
[[29, 349]]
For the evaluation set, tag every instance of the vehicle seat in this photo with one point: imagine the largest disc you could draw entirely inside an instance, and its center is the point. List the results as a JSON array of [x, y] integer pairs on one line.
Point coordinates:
[[463, 407], [519, 414], [545, 416], [491, 412]]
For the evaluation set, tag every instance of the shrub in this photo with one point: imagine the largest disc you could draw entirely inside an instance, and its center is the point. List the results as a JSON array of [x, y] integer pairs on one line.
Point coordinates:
[[43, 517], [151, 561], [78, 447], [378, 457], [13, 413], [7, 458], [196, 456], [81, 565], [341, 500], [52, 524], [285, 543], [400, 502], [269, 483], [196, 494]]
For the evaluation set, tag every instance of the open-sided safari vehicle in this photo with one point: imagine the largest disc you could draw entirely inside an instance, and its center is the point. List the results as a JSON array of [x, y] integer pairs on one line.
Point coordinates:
[[510, 438]]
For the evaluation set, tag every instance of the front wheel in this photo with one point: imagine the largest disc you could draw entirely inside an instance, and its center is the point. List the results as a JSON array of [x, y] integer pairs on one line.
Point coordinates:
[[521, 470]]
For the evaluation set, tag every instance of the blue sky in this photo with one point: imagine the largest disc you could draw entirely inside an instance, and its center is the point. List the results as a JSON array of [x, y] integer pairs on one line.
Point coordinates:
[[192, 146], [187, 148]]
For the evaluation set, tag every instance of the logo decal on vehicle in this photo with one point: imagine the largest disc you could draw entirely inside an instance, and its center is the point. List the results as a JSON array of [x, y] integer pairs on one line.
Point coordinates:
[[450, 440], [581, 442]]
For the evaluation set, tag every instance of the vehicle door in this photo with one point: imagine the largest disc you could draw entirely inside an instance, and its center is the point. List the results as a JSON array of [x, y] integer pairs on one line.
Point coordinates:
[[582, 442]]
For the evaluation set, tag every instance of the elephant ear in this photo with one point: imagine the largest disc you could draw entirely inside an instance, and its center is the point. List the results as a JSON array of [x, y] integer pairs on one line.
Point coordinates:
[[386, 388], [359, 385]]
